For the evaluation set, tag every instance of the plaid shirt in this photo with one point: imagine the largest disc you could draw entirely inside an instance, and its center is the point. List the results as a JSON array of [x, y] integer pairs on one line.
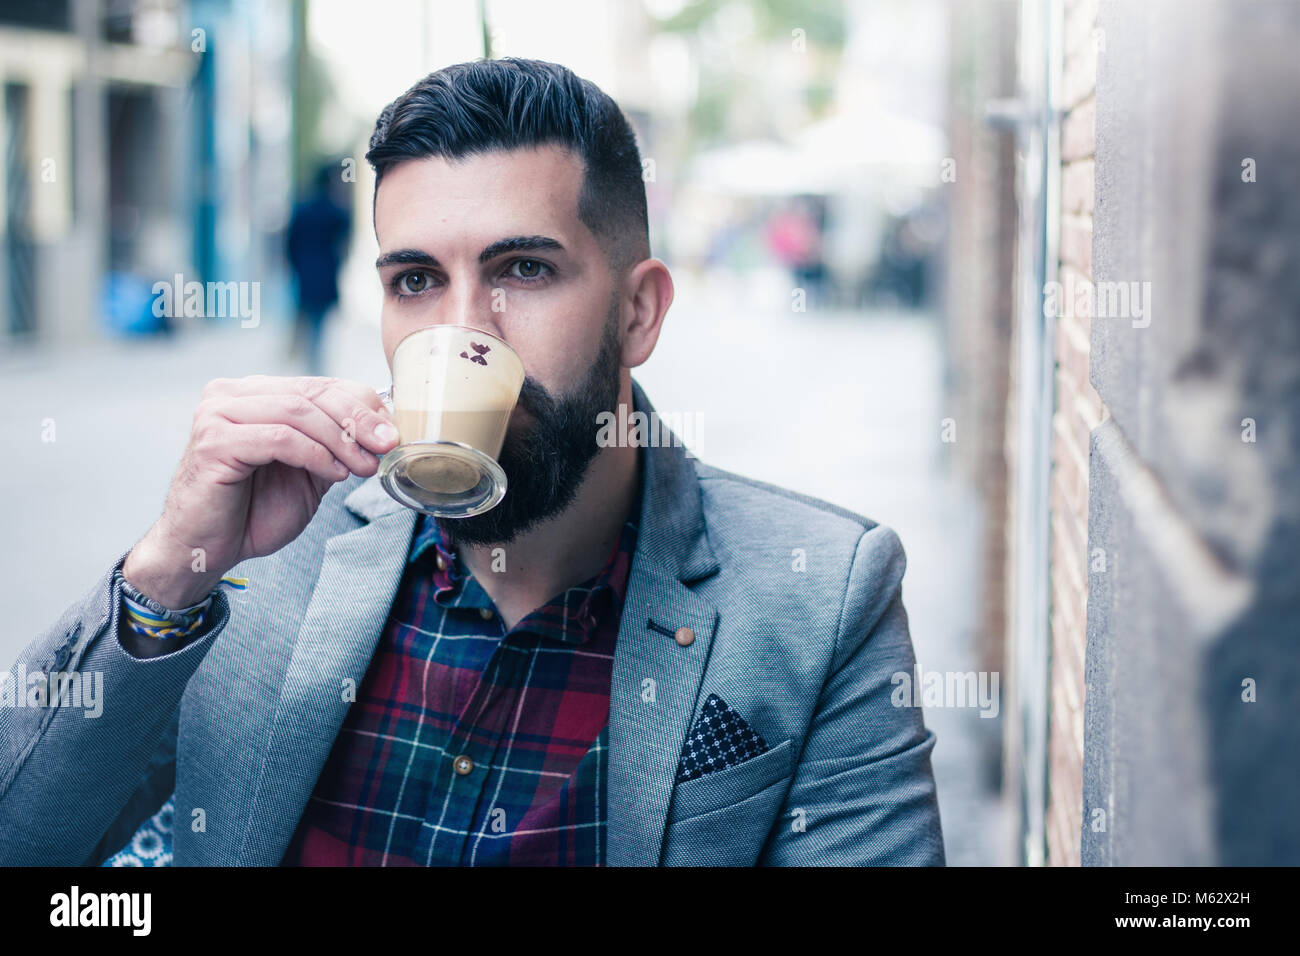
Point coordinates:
[[467, 745]]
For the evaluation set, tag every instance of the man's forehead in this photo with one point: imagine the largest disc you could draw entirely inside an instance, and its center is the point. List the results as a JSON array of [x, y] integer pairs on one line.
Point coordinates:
[[533, 183]]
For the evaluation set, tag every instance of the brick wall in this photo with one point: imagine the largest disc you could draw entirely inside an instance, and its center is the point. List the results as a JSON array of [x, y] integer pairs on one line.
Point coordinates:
[[1078, 410]]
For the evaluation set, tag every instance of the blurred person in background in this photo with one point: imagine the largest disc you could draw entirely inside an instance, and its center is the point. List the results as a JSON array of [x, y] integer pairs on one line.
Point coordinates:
[[794, 236], [317, 245], [902, 276]]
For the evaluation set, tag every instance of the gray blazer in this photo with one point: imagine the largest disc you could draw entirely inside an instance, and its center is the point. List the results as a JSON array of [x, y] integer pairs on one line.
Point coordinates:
[[799, 621]]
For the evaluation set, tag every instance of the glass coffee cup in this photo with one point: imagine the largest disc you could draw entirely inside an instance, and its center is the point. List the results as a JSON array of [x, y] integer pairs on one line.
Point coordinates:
[[454, 389]]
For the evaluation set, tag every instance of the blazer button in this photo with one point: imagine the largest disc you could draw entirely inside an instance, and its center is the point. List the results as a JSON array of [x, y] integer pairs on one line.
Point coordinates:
[[684, 636], [485, 613], [442, 565], [463, 765]]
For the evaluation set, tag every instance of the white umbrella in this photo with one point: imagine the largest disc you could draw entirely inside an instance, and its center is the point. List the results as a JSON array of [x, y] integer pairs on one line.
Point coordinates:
[[843, 153], [886, 147], [759, 168]]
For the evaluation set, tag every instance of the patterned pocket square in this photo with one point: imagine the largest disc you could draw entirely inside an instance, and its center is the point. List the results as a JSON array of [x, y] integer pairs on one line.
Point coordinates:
[[719, 739]]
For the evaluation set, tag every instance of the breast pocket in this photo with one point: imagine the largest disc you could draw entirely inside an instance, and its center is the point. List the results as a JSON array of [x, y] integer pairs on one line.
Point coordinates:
[[723, 818], [737, 783]]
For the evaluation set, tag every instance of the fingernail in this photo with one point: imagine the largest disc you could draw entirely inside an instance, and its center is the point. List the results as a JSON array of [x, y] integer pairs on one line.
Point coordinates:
[[385, 432]]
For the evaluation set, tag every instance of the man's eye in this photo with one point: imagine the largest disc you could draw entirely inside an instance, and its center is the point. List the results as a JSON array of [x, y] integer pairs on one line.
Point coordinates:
[[412, 283], [528, 269]]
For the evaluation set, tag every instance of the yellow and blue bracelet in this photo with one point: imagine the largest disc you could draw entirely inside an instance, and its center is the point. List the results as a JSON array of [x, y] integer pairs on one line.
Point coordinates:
[[148, 618]]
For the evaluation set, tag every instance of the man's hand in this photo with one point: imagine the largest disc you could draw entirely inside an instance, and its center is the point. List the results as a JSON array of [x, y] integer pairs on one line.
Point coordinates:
[[263, 451]]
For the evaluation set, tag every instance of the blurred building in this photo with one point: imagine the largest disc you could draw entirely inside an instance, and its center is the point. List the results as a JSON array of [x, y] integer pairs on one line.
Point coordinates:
[[141, 139]]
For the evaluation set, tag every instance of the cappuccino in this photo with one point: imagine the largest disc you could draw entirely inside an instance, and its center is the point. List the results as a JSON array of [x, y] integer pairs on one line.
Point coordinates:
[[454, 390]]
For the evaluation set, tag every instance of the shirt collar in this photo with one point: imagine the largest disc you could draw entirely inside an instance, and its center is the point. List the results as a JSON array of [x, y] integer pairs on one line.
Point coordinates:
[[571, 617]]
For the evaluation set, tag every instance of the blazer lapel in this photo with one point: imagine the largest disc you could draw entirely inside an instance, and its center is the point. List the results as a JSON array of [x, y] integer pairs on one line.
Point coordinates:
[[656, 681], [354, 593]]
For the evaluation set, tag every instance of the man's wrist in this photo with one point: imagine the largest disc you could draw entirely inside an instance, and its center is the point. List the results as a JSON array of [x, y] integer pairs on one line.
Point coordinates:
[[166, 585], [157, 608]]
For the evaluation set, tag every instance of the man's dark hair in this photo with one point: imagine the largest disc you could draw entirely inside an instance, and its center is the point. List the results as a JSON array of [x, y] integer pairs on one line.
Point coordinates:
[[511, 103]]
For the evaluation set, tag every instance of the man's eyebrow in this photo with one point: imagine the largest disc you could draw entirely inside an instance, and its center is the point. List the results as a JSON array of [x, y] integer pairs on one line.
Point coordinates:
[[406, 257], [518, 244]]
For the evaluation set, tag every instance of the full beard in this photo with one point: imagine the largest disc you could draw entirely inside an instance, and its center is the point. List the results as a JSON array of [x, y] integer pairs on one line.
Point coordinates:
[[546, 461]]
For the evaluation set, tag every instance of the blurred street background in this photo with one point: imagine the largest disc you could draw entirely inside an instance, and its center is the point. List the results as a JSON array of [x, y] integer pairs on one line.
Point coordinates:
[[865, 201]]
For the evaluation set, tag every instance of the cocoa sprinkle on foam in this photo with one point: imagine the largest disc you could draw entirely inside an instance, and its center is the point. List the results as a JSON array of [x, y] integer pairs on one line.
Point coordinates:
[[480, 349]]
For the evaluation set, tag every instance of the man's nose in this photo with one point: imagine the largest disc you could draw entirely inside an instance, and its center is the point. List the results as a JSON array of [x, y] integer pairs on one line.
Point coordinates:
[[466, 302]]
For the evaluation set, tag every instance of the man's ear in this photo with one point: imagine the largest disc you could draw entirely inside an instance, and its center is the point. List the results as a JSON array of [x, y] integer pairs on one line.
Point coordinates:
[[647, 292]]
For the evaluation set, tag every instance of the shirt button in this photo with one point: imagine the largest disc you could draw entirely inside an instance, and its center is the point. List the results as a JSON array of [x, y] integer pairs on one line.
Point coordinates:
[[684, 636], [463, 765], [485, 613], [442, 565]]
